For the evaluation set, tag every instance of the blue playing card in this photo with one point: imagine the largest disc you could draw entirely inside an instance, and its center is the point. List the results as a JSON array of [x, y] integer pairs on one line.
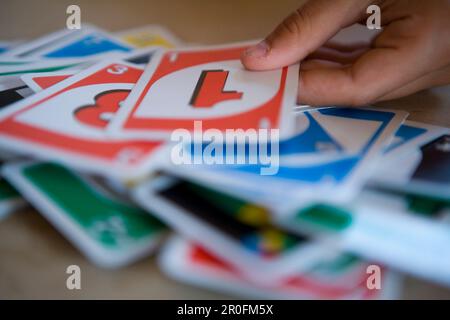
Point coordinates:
[[417, 162], [329, 159], [315, 137], [87, 45], [5, 46], [405, 134]]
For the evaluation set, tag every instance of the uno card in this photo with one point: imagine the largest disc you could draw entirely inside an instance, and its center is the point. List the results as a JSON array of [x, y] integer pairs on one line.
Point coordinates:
[[409, 233], [88, 42], [67, 123], [25, 50], [409, 136], [6, 46], [416, 162], [110, 232], [12, 61], [343, 277], [210, 85], [13, 70], [328, 160], [141, 56], [40, 81], [12, 90], [150, 35], [313, 220], [432, 176], [259, 250], [88, 45]]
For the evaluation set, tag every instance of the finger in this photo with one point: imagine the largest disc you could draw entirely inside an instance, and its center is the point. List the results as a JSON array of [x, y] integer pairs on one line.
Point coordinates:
[[302, 32], [434, 79], [376, 73], [341, 57]]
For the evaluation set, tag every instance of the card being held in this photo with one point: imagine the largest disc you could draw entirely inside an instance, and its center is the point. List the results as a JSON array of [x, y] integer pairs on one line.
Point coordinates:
[[67, 123], [108, 231], [208, 84]]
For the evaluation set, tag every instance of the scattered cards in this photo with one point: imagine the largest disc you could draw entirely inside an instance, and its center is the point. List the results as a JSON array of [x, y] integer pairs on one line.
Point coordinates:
[[93, 115]]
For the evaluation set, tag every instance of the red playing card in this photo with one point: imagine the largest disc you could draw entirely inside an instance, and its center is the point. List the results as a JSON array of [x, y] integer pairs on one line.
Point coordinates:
[[296, 284], [208, 84], [67, 122], [45, 82]]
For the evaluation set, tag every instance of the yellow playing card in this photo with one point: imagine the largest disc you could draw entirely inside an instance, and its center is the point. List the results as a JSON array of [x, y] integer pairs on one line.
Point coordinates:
[[151, 35]]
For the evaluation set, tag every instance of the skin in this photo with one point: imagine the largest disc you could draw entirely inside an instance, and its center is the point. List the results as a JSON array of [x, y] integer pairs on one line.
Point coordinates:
[[411, 53]]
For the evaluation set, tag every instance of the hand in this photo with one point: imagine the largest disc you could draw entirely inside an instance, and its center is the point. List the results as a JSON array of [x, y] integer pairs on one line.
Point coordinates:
[[411, 53]]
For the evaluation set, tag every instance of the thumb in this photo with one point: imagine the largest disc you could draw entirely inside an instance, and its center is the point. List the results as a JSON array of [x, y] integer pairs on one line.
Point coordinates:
[[302, 32]]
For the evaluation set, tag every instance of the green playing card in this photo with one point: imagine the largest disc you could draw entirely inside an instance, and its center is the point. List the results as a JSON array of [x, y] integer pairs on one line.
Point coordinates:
[[36, 69], [109, 231]]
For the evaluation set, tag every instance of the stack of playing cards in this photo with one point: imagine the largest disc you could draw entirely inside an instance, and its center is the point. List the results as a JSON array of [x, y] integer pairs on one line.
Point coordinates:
[[125, 141]]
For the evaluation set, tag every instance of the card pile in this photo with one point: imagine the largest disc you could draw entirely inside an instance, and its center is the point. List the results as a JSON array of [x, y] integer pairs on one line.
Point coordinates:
[[345, 201]]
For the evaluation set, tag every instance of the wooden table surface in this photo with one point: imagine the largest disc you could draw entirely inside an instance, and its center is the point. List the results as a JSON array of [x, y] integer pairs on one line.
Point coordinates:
[[34, 256]]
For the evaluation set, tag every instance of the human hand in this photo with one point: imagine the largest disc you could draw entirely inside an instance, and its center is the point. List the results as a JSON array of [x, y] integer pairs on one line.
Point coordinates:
[[411, 53]]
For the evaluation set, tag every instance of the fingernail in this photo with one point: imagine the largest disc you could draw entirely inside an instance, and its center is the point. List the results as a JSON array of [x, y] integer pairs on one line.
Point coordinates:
[[258, 51]]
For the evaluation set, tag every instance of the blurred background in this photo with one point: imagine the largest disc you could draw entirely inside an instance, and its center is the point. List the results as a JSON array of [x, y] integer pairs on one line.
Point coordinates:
[[33, 255]]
